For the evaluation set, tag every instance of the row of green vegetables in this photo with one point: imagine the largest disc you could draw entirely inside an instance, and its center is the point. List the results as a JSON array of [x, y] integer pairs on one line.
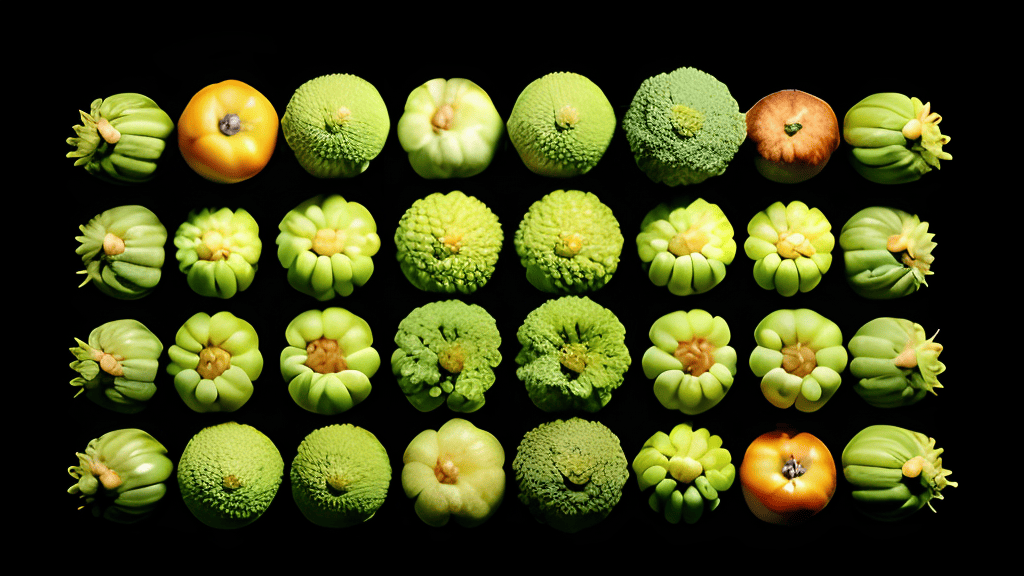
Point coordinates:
[[572, 356], [570, 474], [683, 127], [569, 242]]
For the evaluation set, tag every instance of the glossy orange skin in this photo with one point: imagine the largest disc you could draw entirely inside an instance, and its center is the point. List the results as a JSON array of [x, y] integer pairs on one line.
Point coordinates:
[[219, 157], [772, 496]]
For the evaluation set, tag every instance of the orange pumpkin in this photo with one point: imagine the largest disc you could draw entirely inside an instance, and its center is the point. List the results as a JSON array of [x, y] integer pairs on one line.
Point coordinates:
[[795, 133], [787, 478]]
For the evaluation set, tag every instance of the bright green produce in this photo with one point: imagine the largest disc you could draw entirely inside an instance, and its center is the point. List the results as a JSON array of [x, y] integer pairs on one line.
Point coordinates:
[[448, 243], [799, 358], [791, 246], [569, 242], [214, 361], [117, 367], [340, 476], [894, 472], [336, 124], [686, 248], [122, 474], [454, 471], [561, 125], [121, 138], [684, 127], [896, 364], [688, 469], [450, 129], [888, 252], [691, 362], [229, 474], [218, 250], [122, 250], [895, 139], [573, 354], [329, 360], [327, 244], [570, 473], [447, 353]]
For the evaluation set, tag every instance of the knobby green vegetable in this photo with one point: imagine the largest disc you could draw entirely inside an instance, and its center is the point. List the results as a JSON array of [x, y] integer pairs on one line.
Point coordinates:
[[340, 476], [888, 252], [896, 364], [229, 474], [329, 360], [895, 139], [447, 353], [573, 354], [450, 129], [684, 127], [570, 473], [121, 138], [691, 362], [454, 471], [799, 358], [336, 124], [117, 367], [214, 361], [561, 125], [327, 244], [448, 243], [687, 468], [122, 250], [569, 242], [686, 248], [791, 246], [218, 250], [894, 472], [122, 474]]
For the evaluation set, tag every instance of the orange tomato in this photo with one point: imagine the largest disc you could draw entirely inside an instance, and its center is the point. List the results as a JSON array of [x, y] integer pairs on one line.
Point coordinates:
[[787, 479], [227, 132]]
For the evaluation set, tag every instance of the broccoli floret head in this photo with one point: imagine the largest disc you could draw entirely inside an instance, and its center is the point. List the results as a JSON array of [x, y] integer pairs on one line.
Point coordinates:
[[447, 351], [684, 127], [569, 243], [573, 354], [448, 243], [570, 473]]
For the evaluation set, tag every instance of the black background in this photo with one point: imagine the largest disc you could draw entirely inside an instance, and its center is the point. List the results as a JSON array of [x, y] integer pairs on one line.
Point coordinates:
[[171, 76]]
